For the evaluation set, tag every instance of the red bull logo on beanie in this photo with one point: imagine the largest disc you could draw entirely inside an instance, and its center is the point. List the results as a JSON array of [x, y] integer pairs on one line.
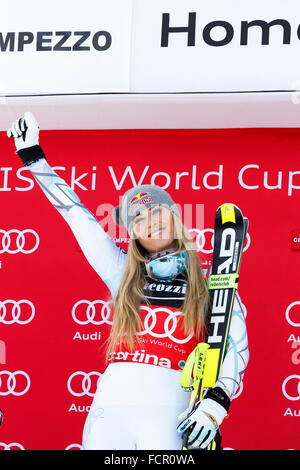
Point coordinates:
[[139, 199]]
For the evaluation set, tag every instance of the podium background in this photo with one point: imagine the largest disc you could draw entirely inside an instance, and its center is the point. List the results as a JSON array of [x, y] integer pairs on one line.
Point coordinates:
[[50, 348]]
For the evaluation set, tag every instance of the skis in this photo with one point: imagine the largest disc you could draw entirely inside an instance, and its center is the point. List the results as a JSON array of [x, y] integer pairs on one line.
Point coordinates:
[[229, 237]]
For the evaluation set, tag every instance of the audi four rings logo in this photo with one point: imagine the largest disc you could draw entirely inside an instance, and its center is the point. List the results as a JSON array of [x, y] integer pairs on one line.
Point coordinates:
[[150, 321], [18, 241], [292, 382], [90, 314], [16, 383], [201, 240], [170, 324], [16, 314], [84, 383]]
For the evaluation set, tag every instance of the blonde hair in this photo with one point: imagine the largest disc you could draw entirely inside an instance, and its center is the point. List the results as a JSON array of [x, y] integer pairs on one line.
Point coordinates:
[[127, 321]]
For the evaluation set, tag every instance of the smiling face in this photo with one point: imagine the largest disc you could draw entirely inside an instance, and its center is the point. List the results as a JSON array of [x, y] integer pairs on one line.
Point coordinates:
[[154, 229]]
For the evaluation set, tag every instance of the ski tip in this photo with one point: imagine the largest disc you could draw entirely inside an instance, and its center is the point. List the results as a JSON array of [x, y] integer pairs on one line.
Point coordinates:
[[229, 212], [230, 204]]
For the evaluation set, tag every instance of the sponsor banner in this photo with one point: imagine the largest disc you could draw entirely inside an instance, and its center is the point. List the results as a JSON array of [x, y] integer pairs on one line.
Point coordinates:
[[55, 48], [109, 47], [198, 46], [251, 177], [56, 313]]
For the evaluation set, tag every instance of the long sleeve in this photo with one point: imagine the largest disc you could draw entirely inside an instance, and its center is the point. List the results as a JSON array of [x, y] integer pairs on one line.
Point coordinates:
[[237, 354], [106, 257]]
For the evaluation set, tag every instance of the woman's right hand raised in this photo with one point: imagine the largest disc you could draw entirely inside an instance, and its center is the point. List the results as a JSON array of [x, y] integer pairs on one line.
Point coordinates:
[[25, 130]]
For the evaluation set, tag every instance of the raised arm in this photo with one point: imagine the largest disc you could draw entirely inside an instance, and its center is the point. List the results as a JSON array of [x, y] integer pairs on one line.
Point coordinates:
[[103, 254]]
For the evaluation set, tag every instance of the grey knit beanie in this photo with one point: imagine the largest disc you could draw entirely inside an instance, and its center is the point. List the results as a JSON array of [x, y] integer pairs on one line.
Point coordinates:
[[138, 198]]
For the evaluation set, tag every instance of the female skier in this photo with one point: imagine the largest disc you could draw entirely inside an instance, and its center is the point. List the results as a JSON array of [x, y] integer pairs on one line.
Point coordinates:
[[160, 301]]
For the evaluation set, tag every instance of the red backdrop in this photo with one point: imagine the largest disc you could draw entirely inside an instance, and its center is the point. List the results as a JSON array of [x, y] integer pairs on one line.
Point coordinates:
[[45, 340]]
